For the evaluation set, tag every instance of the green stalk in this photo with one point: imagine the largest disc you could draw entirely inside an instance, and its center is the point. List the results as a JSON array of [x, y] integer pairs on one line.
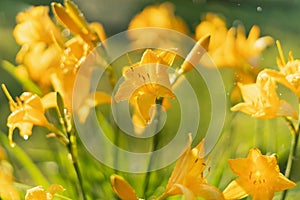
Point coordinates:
[[292, 153], [25, 161], [72, 148], [291, 158], [154, 147]]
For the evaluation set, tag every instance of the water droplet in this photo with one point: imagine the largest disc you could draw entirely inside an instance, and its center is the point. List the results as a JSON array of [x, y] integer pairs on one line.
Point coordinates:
[[25, 137], [259, 9], [12, 144]]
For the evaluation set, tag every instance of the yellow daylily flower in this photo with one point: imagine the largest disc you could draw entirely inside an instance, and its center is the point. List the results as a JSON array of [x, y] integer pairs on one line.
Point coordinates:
[[7, 190], [38, 36], [27, 111], [212, 25], [250, 47], [261, 100], [145, 82], [122, 188], [34, 25], [188, 177], [230, 47], [38, 193], [289, 72], [161, 16], [259, 176], [156, 16], [39, 58], [72, 18], [74, 55]]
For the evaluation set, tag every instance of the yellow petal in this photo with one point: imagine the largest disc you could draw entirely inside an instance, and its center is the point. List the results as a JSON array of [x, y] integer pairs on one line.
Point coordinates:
[[180, 169], [32, 100], [36, 193], [207, 191], [167, 57], [149, 56], [65, 18], [144, 103], [282, 183], [76, 15], [122, 188], [234, 191], [49, 100], [188, 195], [55, 188]]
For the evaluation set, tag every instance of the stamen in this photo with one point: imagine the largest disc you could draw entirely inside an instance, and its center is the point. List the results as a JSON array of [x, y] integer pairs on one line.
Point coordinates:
[[291, 57], [129, 59], [7, 94], [280, 52]]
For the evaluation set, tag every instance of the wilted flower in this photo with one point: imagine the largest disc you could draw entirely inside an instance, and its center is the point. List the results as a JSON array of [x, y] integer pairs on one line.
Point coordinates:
[[188, 176], [38, 193], [262, 101], [259, 176]]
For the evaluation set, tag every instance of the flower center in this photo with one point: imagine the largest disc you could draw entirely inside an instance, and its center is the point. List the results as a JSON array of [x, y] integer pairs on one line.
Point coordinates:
[[257, 178]]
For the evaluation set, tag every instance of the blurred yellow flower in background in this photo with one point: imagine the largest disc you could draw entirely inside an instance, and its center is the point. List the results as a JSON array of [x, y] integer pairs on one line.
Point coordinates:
[[7, 189], [38, 193], [161, 16], [37, 35], [259, 176], [261, 100], [156, 16], [188, 177], [231, 47]]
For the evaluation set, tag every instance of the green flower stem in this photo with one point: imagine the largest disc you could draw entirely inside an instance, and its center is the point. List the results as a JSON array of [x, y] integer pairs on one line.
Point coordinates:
[[293, 150], [25, 161], [61, 136], [69, 139], [155, 141], [163, 196], [292, 155], [72, 148]]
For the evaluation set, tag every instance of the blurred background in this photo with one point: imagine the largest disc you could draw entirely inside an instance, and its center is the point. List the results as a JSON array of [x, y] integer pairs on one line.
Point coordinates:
[[277, 18]]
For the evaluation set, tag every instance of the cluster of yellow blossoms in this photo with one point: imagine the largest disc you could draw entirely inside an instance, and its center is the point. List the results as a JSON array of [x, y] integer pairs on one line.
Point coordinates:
[[57, 53]]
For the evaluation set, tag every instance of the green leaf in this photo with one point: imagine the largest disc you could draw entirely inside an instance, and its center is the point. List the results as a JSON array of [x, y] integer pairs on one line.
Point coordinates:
[[25, 161], [60, 105], [28, 84]]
